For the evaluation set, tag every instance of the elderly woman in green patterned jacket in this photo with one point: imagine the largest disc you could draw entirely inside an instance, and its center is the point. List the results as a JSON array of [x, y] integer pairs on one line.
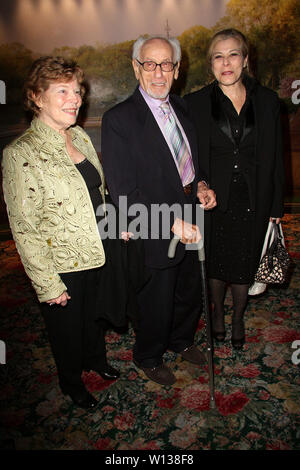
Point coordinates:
[[53, 183]]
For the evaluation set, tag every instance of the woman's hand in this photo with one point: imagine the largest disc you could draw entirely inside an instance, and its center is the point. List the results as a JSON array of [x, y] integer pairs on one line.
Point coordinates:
[[206, 196], [126, 236], [61, 300]]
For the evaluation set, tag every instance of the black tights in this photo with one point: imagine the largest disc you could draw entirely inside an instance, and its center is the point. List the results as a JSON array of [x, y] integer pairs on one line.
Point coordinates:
[[239, 297]]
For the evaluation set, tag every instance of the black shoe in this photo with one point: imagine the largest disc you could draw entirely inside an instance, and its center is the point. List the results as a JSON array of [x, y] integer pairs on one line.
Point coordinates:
[[219, 336], [238, 343], [84, 400], [108, 373], [194, 355], [161, 374], [238, 334], [218, 326]]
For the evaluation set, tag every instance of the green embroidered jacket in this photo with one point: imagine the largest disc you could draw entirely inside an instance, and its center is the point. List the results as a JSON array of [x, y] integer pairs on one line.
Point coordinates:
[[49, 208]]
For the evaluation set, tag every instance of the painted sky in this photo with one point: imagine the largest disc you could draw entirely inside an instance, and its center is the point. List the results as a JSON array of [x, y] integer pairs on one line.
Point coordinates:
[[42, 25]]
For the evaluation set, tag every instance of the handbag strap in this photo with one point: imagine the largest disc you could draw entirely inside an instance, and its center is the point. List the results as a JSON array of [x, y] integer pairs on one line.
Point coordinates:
[[271, 249], [279, 233], [272, 235]]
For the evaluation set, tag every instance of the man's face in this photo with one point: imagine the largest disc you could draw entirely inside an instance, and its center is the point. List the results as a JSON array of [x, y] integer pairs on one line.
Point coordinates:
[[156, 83]]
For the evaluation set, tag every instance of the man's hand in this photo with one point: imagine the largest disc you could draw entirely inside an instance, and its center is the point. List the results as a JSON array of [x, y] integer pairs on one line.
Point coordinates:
[[206, 196], [188, 233], [61, 300]]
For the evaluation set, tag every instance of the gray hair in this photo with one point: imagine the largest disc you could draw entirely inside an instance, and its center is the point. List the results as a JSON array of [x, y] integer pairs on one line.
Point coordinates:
[[139, 43]]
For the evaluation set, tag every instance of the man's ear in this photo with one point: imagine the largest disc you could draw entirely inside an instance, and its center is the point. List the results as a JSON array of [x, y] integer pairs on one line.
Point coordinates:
[[176, 73], [136, 69]]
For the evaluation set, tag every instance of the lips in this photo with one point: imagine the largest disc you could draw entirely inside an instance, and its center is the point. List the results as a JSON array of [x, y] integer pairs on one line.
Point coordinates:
[[158, 84], [71, 110]]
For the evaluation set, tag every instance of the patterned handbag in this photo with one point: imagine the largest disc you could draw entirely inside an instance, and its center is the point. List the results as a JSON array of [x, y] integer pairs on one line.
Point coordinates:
[[274, 264]]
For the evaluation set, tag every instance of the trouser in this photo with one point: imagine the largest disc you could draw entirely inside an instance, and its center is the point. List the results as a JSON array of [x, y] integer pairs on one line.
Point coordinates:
[[76, 338], [170, 305]]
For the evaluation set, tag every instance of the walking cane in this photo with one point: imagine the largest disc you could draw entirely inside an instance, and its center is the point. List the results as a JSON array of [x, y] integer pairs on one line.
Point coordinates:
[[209, 347]]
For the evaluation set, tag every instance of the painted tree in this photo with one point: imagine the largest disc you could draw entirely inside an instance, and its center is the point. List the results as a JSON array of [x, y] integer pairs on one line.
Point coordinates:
[[272, 27], [15, 61], [194, 67]]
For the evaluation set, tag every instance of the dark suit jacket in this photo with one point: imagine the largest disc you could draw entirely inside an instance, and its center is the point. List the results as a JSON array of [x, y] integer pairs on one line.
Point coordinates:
[[138, 164], [267, 173]]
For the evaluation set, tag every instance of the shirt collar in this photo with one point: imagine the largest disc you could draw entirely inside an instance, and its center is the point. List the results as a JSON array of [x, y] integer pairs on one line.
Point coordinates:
[[48, 133], [249, 83], [153, 103]]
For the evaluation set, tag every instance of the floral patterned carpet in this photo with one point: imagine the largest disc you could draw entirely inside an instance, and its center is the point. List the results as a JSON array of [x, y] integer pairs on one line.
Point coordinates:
[[257, 390]]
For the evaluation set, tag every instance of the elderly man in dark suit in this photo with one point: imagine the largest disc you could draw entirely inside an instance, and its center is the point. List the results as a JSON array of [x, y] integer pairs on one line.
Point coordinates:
[[149, 153]]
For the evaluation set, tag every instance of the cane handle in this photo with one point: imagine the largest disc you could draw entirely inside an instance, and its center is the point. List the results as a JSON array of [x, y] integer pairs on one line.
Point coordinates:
[[173, 246], [174, 243]]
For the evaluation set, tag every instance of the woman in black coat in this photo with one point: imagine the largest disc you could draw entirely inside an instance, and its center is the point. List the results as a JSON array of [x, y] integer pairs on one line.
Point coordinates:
[[239, 139]]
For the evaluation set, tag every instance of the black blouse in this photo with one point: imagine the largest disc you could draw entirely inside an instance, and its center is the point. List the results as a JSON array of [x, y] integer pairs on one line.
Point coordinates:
[[233, 139], [92, 180]]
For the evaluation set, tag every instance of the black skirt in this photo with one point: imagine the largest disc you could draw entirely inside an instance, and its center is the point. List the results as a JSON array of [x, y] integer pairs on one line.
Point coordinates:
[[230, 249]]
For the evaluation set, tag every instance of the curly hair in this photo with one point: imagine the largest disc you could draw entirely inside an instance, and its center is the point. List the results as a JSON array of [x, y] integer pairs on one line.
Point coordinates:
[[45, 71]]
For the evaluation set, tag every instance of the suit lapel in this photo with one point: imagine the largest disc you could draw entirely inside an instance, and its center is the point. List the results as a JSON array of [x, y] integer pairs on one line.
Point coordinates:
[[219, 116], [199, 111], [249, 121], [155, 144]]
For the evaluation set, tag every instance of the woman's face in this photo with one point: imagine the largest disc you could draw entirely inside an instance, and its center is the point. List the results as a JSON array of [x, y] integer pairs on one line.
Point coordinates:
[[227, 61], [59, 104]]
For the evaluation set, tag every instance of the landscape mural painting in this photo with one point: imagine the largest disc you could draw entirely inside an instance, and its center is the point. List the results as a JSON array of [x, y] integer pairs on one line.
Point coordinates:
[[99, 35]]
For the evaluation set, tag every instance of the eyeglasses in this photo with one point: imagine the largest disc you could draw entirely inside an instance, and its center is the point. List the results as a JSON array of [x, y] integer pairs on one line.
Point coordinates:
[[150, 66]]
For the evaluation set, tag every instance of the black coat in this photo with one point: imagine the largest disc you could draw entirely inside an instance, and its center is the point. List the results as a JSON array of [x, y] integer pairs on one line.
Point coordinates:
[[267, 174], [138, 164]]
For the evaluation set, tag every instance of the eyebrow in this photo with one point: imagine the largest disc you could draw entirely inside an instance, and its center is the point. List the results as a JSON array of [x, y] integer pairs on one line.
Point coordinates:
[[59, 84], [147, 59], [63, 85], [231, 50]]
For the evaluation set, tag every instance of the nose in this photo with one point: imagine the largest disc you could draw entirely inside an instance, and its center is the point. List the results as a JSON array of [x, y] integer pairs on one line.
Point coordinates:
[[225, 60], [76, 97], [158, 71]]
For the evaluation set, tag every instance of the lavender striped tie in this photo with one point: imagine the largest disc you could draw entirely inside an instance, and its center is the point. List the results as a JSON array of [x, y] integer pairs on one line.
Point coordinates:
[[182, 154]]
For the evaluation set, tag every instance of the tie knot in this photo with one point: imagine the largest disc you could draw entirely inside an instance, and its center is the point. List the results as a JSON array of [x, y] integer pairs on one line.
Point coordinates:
[[165, 107]]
